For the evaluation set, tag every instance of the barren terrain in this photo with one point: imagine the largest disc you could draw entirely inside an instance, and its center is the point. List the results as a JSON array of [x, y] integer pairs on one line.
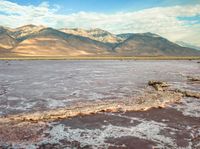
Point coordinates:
[[99, 104]]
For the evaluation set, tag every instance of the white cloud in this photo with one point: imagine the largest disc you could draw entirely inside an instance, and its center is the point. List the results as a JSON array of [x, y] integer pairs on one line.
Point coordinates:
[[160, 20]]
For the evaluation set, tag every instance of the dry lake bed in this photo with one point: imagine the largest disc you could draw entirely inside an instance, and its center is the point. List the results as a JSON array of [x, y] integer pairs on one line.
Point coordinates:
[[34, 87]]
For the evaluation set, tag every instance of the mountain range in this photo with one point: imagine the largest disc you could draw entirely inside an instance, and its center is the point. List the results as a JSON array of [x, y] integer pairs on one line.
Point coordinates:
[[32, 40]]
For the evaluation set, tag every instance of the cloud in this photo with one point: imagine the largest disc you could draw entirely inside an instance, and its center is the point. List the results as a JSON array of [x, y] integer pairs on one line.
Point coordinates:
[[161, 20]]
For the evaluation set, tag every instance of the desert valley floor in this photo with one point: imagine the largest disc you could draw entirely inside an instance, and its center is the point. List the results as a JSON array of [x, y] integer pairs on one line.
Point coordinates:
[[36, 87]]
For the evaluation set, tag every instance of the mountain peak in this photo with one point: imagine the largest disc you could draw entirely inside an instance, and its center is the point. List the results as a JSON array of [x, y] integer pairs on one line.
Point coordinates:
[[97, 30], [94, 34], [151, 34], [27, 26], [26, 30]]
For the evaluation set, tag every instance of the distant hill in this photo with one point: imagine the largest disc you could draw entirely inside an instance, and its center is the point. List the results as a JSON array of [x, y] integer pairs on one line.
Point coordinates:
[[151, 44], [31, 40], [184, 44]]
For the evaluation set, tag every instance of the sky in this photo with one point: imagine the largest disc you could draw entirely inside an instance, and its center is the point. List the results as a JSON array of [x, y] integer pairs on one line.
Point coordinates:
[[177, 20]]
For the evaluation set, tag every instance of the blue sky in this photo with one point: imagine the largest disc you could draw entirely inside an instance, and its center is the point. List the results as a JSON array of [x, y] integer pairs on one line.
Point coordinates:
[[106, 6], [177, 20]]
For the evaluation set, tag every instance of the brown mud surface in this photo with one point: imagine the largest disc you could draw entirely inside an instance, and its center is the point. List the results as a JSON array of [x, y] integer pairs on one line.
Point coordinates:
[[155, 128]]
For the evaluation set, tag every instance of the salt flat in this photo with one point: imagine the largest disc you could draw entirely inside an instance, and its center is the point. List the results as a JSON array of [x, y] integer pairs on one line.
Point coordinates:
[[31, 86]]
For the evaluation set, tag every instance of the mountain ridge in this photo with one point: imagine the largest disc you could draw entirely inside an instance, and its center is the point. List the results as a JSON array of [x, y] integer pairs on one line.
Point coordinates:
[[32, 40], [185, 44]]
